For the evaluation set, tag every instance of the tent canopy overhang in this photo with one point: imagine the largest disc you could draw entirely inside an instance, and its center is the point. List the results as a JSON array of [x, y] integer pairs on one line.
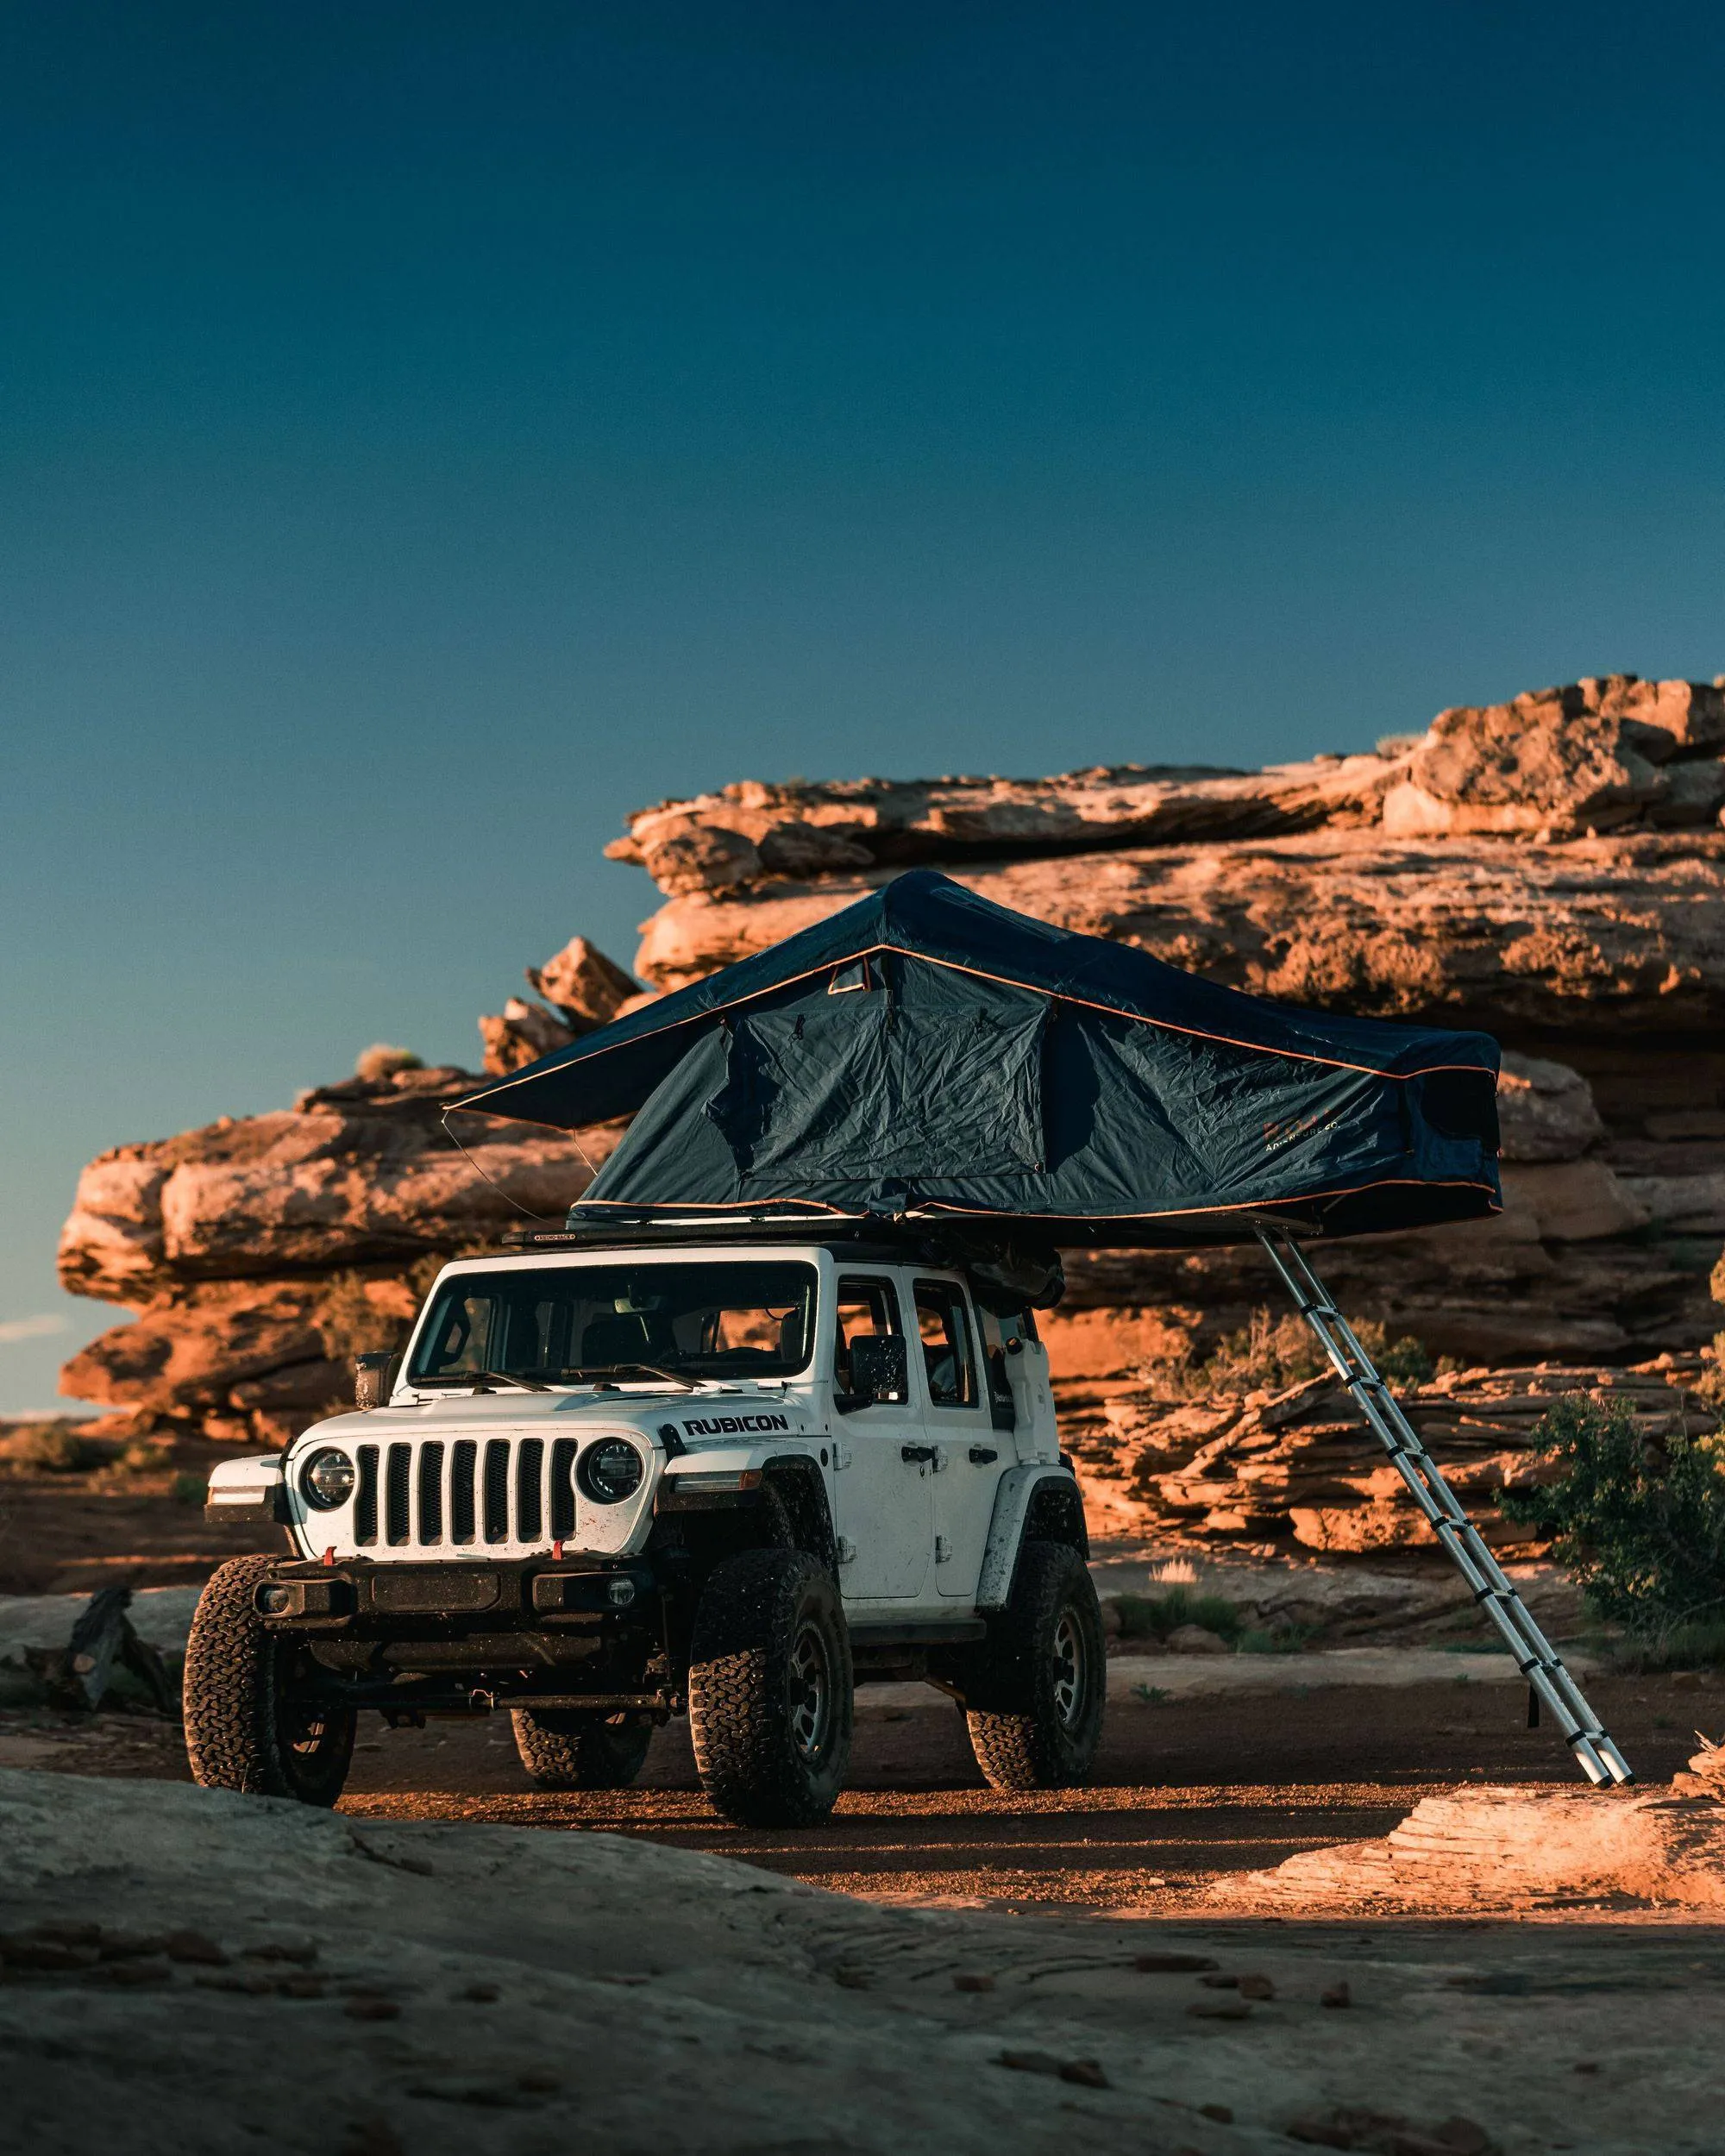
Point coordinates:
[[927, 1053]]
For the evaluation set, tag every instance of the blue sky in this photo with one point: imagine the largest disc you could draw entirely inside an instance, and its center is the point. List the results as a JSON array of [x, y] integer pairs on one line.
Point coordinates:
[[429, 431]]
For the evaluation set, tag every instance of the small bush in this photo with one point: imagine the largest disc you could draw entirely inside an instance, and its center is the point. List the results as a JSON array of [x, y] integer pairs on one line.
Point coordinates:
[[51, 1448], [381, 1061], [187, 1488], [1154, 1616], [1281, 1637], [350, 1322], [1640, 1528], [1270, 1354], [1710, 1385]]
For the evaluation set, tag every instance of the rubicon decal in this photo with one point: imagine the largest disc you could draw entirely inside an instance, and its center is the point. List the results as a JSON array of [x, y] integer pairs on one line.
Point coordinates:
[[729, 1426]]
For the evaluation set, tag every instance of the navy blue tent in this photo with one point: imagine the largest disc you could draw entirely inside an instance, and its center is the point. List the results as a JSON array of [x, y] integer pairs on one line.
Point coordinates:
[[925, 1054]]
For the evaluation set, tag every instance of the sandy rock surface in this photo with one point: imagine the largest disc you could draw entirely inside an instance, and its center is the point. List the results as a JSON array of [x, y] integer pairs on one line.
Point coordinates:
[[335, 1984], [1508, 1848], [161, 1616]]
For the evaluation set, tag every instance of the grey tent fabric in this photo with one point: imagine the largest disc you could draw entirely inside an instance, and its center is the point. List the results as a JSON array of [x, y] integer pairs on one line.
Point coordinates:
[[927, 1055]]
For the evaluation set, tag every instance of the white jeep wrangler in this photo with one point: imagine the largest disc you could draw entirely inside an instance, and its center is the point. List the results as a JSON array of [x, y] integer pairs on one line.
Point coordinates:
[[619, 1477]]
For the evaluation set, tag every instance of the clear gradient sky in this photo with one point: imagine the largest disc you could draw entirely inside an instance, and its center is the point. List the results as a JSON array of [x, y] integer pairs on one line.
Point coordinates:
[[429, 431]]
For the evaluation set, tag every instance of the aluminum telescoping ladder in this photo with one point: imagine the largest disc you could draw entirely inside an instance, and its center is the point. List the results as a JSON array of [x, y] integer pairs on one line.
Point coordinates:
[[1539, 1661]]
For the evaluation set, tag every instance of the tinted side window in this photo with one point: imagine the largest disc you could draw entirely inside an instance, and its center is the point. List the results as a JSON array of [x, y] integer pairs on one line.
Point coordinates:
[[948, 1357], [996, 1332], [865, 1308]]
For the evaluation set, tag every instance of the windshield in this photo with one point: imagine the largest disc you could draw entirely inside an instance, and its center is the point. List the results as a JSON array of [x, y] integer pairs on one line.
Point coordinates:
[[573, 1322]]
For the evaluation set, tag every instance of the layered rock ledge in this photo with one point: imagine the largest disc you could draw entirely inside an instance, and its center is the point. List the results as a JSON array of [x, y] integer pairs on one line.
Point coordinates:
[[1551, 869]]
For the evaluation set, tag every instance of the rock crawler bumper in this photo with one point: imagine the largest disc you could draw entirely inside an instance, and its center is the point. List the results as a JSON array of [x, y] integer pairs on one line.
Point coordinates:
[[371, 1600]]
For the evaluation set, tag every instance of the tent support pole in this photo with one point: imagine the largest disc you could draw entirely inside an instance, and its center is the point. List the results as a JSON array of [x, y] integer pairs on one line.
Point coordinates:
[[1548, 1680]]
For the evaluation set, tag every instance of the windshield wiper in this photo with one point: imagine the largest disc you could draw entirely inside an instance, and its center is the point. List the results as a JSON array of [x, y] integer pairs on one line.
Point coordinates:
[[477, 1378], [653, 1370]]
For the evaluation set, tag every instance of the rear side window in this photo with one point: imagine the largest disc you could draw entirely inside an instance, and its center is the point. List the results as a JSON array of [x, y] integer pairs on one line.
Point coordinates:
[[996, 1332], [865, 1308], [947, 1356]]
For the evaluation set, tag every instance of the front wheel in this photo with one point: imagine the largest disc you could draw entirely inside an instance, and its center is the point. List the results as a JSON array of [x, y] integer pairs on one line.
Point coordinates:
[[1034, 1708], [254, 1720], [770, 1689], [564, 1749]]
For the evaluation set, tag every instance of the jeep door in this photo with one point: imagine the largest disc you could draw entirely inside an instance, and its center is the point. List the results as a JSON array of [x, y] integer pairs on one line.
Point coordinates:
[[960, 1419], [884, 1499]]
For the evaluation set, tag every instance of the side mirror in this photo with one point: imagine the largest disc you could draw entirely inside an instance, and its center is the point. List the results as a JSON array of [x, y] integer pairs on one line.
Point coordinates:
[[880, 1368], [372, 1380]]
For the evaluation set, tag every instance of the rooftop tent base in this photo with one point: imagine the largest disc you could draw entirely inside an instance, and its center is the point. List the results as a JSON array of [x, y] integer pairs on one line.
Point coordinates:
[[1549, 1681]]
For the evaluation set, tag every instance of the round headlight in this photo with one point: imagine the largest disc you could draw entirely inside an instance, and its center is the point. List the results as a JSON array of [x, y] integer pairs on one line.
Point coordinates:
[[326, 1479], [611, 1470]]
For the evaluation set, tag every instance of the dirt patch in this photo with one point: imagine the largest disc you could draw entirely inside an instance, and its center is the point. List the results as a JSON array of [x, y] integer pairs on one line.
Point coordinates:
[[62, 1534], [1185, 1792]]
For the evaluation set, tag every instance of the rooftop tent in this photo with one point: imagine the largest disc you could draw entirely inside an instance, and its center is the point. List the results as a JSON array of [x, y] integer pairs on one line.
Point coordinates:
[[926, 1053]]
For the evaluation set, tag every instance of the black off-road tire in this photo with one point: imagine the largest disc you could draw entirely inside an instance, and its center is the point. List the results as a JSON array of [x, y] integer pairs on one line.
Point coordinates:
[[564, 1749], [243, 1729], [1034, 1704], [770, 1689]]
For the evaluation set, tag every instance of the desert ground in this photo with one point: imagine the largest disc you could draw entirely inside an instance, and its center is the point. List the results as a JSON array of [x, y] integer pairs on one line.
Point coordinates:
[[1165, 1960]]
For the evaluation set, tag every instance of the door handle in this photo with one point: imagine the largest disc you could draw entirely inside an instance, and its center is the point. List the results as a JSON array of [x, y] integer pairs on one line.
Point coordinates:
[[983, 1456], [922, 1453]]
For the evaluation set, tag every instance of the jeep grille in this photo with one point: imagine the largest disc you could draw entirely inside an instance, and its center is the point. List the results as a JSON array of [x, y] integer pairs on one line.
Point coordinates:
[[504, 1493]]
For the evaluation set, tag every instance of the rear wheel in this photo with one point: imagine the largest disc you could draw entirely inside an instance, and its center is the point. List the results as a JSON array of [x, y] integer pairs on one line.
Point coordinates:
[[254, 1720], [770, 1689], [564, 1749], [1034, 1707]]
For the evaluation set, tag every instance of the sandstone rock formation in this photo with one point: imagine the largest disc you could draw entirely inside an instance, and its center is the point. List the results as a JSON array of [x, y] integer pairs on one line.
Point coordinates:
[[1551, 869], [1297, 1470], [584, 989], [263, 1252]]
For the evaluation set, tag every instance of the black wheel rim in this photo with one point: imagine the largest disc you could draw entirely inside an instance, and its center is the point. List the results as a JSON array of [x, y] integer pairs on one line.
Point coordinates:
[[1070, 1668], [811, 1693], [307, 1729]]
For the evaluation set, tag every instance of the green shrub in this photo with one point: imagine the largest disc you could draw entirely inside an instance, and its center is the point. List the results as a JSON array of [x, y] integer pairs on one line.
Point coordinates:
[[1640, 1527], [1154, 1616], [1281, 1637], [187, 1488]]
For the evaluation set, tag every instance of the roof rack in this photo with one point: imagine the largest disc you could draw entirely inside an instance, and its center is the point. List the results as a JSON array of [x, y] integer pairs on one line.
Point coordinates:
[[613, 1234]]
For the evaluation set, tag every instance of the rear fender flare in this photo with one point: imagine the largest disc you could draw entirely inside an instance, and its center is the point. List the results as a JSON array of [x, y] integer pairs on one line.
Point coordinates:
[[1043, 1501]]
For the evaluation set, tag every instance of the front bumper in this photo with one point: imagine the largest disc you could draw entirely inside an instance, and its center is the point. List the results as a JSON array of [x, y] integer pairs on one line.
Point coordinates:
[[361, 1597]]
